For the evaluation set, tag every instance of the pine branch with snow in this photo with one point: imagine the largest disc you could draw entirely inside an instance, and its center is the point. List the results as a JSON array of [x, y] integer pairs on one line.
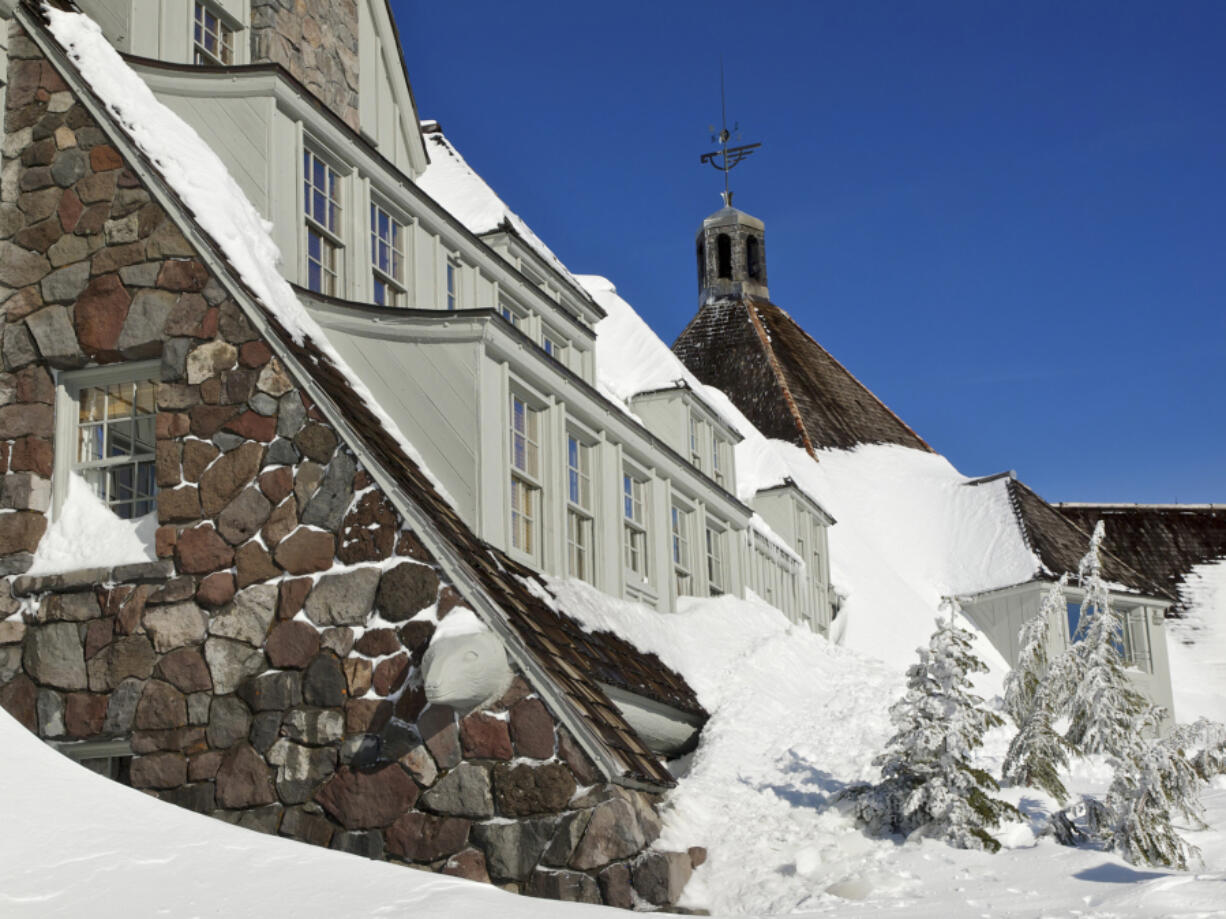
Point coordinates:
[[928, 784], [1034, 700], [1104, 704]]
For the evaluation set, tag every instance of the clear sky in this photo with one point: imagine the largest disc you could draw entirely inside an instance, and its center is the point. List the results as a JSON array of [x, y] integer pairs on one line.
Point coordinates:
[[1007, 219]]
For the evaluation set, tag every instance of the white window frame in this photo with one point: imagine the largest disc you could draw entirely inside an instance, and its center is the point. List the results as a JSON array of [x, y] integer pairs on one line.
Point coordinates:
[[225, 36], [524, 497], [332, 240], [69, 385], [580, 510], [554, 345], [717, 466], [394, 282], [515, 315], [636, 548], [714, 551], [680, 520], [695, 440], [451, 282]]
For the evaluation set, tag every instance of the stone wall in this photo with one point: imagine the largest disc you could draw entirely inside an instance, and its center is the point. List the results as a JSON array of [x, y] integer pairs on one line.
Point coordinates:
[[266, 669], [317, 42]]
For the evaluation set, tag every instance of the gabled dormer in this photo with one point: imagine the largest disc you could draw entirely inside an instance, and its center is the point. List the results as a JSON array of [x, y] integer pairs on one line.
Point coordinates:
[[347, 55]]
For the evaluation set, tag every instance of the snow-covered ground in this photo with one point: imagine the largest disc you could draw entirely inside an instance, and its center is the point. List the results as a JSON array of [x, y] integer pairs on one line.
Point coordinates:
[[1197, 645]]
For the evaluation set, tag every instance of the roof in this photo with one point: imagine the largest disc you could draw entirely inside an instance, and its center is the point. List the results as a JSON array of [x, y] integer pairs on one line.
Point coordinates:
[[574, 660], [1165, 541], [451, 182], [788, 385], [1060, 542]]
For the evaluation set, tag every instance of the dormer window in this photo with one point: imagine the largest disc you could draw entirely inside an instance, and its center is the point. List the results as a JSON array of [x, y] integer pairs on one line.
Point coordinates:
[[321, 201], [212, 38], [387, 257]]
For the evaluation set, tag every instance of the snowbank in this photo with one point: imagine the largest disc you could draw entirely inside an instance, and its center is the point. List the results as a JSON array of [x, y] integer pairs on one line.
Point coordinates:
[[87, 534], [78, 844], [1197, 645]]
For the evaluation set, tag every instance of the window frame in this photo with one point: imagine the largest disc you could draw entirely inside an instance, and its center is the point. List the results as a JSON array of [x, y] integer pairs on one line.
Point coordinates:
[[397, 285], [332, 239], [526, 538], [226, 34], [635, 534], [68, 385], [580, 516], [513, 314], [451, 282], [680, 520], [714, 540]]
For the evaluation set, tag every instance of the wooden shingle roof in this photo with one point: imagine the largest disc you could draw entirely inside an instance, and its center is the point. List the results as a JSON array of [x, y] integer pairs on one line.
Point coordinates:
[[1060, 543], [787, 384], [1165, 541]]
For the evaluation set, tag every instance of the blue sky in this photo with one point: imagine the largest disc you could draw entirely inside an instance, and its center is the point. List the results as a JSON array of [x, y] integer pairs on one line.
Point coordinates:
[[1007, 219]]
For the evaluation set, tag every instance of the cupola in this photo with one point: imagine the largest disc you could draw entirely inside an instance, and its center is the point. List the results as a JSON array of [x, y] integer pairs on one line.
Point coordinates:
[[731, 251]]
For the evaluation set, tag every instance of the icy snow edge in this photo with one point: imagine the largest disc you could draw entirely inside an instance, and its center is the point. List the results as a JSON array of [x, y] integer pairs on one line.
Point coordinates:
[[208, 190]]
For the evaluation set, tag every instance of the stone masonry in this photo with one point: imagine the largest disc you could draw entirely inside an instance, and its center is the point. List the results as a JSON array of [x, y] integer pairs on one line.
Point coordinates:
[[265, 669], [318, 46]]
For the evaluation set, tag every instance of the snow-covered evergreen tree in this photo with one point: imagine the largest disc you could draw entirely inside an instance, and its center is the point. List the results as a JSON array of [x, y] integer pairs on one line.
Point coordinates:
[[928, 784], [1035, 701], [1153, 782], [1104, 705]]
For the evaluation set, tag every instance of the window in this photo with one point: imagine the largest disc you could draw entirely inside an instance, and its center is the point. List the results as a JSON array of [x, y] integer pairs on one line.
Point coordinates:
[[510, 314], [723, 251], [525, 476], [695, 440], [212, 39], [321, 202], [702, 263], [633, 498], [110, 758], [1120, 639], [554, 346], [753, 260], [681, 549], [113, 436], [453, 283], [717, 468], [387, 257], [578, 509], [715, 562]]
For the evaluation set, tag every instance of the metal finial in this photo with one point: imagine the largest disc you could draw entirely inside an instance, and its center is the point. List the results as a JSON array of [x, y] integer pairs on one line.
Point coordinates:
[[728, 156]]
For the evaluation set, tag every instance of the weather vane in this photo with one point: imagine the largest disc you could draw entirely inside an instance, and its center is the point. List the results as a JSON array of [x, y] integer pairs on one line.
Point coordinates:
[[728, 156]]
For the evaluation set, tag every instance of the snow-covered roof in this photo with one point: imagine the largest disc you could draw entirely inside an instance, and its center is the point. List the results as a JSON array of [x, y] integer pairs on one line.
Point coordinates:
[[455, 185]]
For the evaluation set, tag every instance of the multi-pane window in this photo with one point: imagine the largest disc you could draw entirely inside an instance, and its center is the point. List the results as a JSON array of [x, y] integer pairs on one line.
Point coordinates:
[[1129, 637], [510, 314], [578, 508], [115, 444], [715, 562], [554, 346], [525, 476], [681, 549], [453, 283], [633, 501], [321, 202], [387, 257], [212, 39], [695, 441], [717, 467]]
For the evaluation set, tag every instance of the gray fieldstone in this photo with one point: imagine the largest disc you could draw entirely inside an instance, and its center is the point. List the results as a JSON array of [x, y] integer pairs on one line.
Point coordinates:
[[368, 844], [227, 441], [174, 359], [406, 590], [65, 284], [513, 849], [18, 347], [230, 662], [54, 656], [314, 727], [280, 453], [568, 886], [20, 267], [66, 250], [612, 833], [273, 691], [265, 727], [343, 599], [50, 713], [69, 167], [142, 330], [462, 792], [327, 507], [248, 616], [324, 683], [198, 706], [263, 404], [300, 769], [176, 625], [229, 722], [10, 662], [291, 415], [25, 491], [421, 766], [121, 708], [55, 336], [659, 877], [566, 838], [143, 275], [242, 518]]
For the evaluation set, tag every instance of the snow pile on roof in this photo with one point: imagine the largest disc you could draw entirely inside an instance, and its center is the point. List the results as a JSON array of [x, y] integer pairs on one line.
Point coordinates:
[[454, 184], [87, 534], [909, 530], [795, 719], [202, 182], [79, 844], [1196, 643]]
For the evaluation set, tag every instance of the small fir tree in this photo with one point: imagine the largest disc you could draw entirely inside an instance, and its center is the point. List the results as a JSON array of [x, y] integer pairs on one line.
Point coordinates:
[[1104, 706], [1034, 701], [928, 784]]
